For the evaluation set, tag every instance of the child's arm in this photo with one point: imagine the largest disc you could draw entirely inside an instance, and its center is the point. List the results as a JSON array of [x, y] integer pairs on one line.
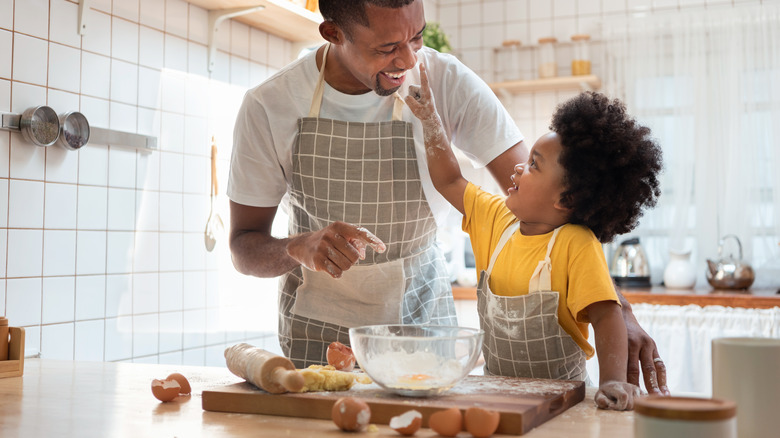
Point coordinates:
[[442, 164], [612, 347]]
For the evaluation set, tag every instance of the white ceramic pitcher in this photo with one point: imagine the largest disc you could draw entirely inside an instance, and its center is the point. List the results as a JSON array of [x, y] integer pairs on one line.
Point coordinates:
[[680, 272]]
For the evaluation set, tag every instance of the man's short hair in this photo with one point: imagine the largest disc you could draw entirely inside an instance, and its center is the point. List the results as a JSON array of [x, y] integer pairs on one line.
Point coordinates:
[[347, 13]]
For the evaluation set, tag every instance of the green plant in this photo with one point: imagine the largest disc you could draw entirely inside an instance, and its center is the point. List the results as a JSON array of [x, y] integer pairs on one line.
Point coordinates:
[[435, 38]]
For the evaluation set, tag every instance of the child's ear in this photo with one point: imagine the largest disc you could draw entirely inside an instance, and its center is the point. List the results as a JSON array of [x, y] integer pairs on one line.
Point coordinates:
[[561, 208], [331, 32]]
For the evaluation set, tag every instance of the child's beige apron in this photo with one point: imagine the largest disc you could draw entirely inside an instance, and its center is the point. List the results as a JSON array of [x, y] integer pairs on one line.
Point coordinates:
[[365, 174], [522, 335]]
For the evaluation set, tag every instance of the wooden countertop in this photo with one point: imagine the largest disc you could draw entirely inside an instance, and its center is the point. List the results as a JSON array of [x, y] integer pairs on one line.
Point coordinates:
[[107, 399], [751, 298]]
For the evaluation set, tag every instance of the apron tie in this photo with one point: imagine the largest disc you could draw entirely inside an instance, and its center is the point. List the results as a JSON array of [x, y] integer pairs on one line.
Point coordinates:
[[541, 279]]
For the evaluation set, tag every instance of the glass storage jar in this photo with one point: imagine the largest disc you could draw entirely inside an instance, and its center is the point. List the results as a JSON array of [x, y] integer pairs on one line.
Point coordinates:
[[580, 63], [548, 68], [507, 61]]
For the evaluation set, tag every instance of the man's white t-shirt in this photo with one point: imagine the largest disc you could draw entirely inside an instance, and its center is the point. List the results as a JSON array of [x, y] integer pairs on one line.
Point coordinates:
[[266, 125]]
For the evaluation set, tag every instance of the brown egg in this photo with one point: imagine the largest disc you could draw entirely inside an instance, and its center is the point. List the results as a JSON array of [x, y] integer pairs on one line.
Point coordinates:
[[183, 382], [480, 422], [340, 356], [447, 422], [165, 390], [407, 423], [350, 414]]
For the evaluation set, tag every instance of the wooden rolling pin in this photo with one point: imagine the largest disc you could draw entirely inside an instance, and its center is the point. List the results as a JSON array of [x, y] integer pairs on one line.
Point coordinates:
[[272, 373]]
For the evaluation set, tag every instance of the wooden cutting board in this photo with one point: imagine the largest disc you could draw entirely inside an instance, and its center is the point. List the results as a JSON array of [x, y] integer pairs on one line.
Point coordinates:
[[523, 403]]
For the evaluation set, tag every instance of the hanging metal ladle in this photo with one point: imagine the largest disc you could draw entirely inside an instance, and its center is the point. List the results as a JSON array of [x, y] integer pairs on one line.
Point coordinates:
[[214, 225]]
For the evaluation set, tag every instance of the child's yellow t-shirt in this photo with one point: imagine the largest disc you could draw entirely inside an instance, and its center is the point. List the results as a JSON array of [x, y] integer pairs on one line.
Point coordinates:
[[579, 269]]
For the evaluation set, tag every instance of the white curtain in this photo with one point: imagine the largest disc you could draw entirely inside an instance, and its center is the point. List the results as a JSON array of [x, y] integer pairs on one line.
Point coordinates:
[[708, 84]]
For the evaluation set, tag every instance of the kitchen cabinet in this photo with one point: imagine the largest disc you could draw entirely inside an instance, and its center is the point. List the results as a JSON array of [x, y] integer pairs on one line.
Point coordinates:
[[76, 399], [584, 82], [279, 17]]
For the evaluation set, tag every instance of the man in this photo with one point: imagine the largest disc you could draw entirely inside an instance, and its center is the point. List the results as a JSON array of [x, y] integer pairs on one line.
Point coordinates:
[[330, 133]]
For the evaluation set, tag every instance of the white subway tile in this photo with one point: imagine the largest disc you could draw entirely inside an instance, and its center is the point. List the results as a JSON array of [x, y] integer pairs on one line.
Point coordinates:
[[149, 124], [670, 4], [195, 178], [493, 12], [23, 303], [4, 249], [60, 202], [149, 87], [171, 211], [147, 172], [92, 208], [172, 86], [145, 292], [3, 203], [193, 322], [121, 209], [89, 340], [171, 291], [127, 9], [62, 102], [101, 5], [124, 82], [119, 252], [123, 117], [539, 29], [563, 29], [25, 204], [258, 46], [257, 73], [195, 356], [171, 252], [97, 38], [145, 336], [612, 6], [279, 51], [153, 13], [449, 16], [195, 285], [146, 255], [197, 62], [175, 53], [32, 340], [198, 24], [118, 338], [150, 47], [198, 98], [147, 211], [31, 17], [198, 142], [6, 43], [470, 14], [172, 358], [64, 68], [57, 341], [90, 297], [121, 167], [170, 332], [30, 55], [5, 152], [639, 5], [59, 300], [27, 160], [124, 40], [59, 252], [222, 36], [239, 39], [61, 27], [214, 333], [93, 165], [239, 71], [7, 20], [196, 209], [119, 295], [90, 252], [565, 8], [62, 165], [5, 97], [221, 69], [540, 10], [96, 111], [176, 17]]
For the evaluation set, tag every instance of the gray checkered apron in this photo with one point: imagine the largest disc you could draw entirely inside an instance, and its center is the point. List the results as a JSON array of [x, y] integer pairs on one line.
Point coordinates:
[[366, 174], [522, 335]]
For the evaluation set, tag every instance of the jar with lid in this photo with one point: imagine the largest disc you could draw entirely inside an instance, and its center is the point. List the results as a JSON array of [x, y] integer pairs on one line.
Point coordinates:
[[548, 68], [684, 417], [580, 62], [507, 60]]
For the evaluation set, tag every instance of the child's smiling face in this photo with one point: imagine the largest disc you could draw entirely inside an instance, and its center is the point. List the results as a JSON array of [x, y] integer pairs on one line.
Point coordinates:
[[535, 194]]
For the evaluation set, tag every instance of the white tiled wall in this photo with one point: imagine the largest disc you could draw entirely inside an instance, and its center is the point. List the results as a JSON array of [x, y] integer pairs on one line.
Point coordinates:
[[102, 253]]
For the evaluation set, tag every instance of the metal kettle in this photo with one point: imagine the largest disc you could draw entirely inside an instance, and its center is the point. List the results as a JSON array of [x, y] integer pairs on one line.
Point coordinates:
[[630, 267], [728, 272]]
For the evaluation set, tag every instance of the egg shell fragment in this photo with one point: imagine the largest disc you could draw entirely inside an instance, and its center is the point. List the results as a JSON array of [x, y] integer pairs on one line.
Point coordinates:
[[340, 357], [447, 422], [350, 414], [165, 390], [407, 423], [481, 423], [183, 382]]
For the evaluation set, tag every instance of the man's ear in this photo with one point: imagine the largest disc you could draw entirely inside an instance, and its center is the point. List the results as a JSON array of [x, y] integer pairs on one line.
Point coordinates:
[[331, 32]]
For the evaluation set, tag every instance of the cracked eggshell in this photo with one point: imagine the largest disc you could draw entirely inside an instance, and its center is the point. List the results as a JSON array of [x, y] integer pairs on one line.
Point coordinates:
[[407, 423], [481, 423], [447, 422], [182, 381], [340, 356], [350, 414], [165, 390]]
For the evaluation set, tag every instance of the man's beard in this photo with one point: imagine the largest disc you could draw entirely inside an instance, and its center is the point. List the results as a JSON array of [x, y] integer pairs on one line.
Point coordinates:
[[380, 90]]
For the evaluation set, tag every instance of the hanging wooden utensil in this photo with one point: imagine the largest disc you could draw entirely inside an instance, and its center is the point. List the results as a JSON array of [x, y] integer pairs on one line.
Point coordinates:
[[214, 225]]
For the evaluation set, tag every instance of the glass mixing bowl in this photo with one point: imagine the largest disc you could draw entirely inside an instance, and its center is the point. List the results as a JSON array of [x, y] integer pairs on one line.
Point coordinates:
[[415, 360]]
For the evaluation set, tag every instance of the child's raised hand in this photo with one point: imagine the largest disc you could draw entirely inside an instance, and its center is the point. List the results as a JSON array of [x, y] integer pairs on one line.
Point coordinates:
[[420, 98], [617, 396]]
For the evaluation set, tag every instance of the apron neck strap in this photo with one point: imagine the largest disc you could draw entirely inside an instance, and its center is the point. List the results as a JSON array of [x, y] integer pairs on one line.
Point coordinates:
[[501, 242], [319, 90], [541, 279]]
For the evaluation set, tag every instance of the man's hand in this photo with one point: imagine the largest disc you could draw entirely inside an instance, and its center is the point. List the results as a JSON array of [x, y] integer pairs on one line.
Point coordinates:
[[643, 352], [334, 249]]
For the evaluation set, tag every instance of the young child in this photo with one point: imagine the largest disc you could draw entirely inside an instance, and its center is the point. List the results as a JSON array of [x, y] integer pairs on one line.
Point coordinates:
[[543, 275]]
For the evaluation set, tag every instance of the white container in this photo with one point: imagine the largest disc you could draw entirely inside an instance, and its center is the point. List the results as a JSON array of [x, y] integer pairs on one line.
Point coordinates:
[[680, 272], [507, 61], [747, 370], [684, 417], [548, 67]]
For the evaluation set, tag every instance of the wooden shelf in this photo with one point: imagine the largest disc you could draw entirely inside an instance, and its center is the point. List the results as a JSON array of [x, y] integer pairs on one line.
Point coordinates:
[[589, 82], [280, 17]]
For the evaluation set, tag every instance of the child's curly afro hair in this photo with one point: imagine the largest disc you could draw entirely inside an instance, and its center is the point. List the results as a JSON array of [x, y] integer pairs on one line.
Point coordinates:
[[611, 164]]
